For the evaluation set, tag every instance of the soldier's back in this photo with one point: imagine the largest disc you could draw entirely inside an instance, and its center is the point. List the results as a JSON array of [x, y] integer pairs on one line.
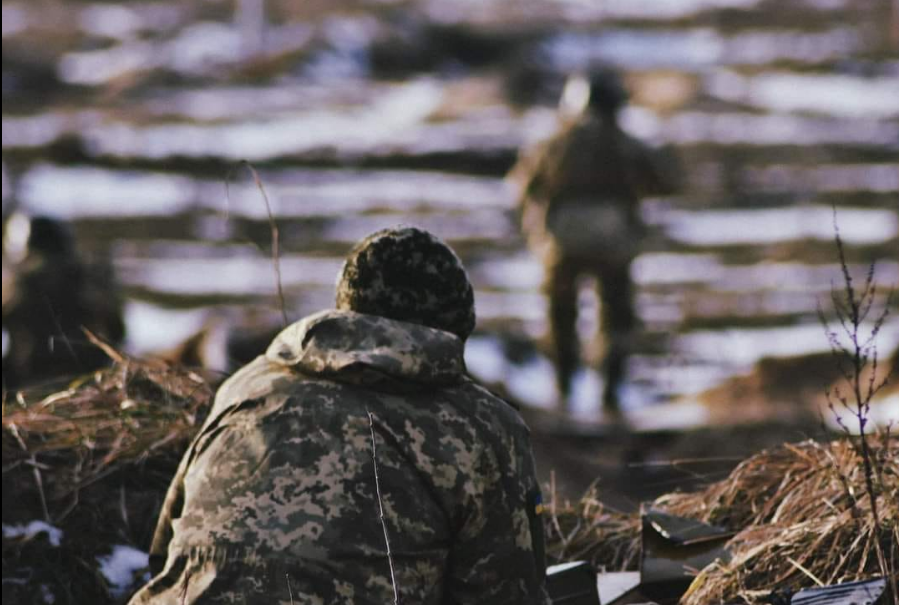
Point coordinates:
[[592, 158], [309, 509], [303, 448]]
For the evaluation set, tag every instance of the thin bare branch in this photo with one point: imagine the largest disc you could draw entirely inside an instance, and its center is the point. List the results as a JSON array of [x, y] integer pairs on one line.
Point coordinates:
[[103, 346], [854, 355], [273, 226]]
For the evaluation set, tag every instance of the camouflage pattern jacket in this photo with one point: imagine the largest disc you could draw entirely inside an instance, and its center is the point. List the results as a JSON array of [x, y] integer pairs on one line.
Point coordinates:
[[276, 500]]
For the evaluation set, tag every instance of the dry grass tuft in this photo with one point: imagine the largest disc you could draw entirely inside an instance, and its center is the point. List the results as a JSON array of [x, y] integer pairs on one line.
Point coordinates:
[[94, 460], [116, 417], [802, 513], [588, 530]]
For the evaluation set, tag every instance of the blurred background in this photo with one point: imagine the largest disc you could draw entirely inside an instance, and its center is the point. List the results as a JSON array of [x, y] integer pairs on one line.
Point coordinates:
[[127, 119]]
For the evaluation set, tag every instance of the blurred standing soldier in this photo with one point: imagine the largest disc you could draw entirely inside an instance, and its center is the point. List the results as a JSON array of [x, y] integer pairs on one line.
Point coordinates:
[[579, 197], [355, 462], [52, 295]]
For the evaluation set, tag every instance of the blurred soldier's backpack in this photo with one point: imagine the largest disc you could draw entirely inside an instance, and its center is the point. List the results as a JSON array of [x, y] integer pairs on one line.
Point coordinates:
[[584, 228]]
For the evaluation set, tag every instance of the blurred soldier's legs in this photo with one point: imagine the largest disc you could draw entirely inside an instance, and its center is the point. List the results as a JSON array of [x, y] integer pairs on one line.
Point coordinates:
[[561, 288], [618, 322]]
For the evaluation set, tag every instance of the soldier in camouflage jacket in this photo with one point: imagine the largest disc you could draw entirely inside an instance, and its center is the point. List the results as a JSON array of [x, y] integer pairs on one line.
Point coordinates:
[[579, 196], [349, 413]]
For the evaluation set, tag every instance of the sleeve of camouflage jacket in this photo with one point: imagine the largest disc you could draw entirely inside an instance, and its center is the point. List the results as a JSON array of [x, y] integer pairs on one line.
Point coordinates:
[[252, 380], [498, 556], [171, 508], [174, 502]]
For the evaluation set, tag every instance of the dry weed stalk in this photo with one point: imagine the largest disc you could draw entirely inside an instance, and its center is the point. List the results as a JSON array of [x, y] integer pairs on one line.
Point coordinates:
[[855, 353], [273, 227], [589, 530]]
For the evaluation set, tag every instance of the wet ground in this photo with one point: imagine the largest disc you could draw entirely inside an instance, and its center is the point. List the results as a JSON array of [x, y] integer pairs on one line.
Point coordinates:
[[128, 120]]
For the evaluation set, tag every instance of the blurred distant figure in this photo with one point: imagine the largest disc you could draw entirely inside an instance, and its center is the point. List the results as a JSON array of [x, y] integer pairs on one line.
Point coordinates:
[[579, 197], [52, 294]]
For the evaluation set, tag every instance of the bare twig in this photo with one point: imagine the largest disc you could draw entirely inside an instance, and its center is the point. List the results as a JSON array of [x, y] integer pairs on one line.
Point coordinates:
[[273, 225], [374, 459], [799, 566], [123, 508], [62, 334], [38, 480], [35, 468], [104, 346]]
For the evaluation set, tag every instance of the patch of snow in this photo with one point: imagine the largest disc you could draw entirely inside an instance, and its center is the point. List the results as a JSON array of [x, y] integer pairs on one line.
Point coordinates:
[[95, 67], [673, 416], [654, 268], [32, 131], [532, 383], [74, 192], [745, 346], [54, 534], [586, 394], [834, 95], [745, 128], [111, 21], [7, 185], [234, 276], [143, 321], [485, 359], [15, 19], [519, 272], [885, 412], [771, 225], [120, 566]]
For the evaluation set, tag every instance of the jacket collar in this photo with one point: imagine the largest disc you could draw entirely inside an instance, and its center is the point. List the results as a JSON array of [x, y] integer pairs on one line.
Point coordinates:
[[367, 349]]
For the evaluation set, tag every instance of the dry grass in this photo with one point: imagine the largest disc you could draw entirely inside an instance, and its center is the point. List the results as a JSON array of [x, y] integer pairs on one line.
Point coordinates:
[[804, 516], [93, 460], [802, 513], [590, 531], [114, 418]]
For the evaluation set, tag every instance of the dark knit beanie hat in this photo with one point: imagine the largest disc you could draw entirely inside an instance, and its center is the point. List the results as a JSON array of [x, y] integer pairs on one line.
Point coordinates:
[[607, 91], [410, 275]]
